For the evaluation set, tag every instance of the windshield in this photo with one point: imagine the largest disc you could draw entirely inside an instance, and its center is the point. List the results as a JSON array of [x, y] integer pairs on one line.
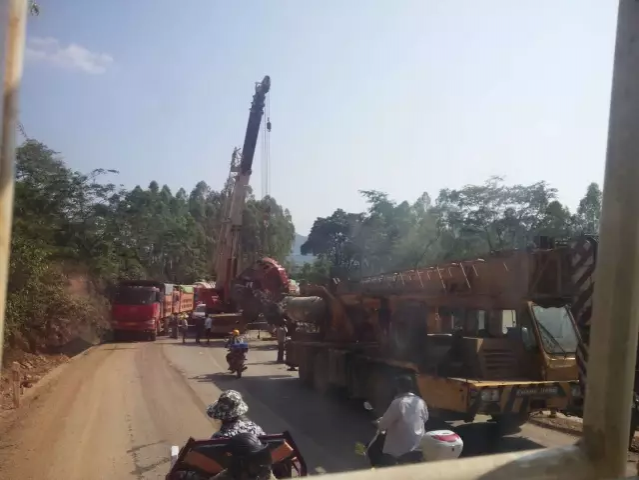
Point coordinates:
[[135, 296], [556, 328]]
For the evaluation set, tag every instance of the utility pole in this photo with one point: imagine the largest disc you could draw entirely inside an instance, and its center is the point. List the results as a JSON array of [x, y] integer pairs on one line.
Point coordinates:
[[615, 321]]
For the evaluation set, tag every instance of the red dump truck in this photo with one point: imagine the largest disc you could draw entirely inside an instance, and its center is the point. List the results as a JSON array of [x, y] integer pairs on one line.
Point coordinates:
[[144, 307]]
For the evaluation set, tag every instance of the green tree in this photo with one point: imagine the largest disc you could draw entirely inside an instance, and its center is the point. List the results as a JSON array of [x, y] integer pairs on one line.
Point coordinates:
[[70, 225], [589, 210]]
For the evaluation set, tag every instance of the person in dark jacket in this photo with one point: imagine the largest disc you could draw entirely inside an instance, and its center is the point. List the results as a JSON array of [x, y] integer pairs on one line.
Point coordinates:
[[250, 459], [199, 328]]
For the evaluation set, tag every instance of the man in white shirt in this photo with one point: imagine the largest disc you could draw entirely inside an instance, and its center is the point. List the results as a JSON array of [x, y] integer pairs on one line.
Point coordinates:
[[208, 325], [404, 424]]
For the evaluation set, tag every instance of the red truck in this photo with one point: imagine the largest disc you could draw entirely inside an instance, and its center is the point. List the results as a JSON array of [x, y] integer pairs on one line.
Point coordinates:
[[145, 307]]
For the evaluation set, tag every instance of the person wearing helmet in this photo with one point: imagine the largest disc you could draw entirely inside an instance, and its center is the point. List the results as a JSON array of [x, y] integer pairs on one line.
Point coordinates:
[[230, 409], [250, 459], [233, 339]]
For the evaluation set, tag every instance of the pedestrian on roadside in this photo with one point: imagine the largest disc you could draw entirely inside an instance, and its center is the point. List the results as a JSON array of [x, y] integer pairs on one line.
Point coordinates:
[[184, 327], [404, 424], [199, 329], [280, 335], [208, 325]]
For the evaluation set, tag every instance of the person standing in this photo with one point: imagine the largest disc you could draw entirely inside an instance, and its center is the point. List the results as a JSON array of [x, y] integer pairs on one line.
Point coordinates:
[[184, 327], [405, 424], [208, 325], [280, 335], [199, 328]]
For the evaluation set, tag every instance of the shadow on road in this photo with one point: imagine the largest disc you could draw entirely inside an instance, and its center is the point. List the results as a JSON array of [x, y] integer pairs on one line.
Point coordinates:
[[484, 439]]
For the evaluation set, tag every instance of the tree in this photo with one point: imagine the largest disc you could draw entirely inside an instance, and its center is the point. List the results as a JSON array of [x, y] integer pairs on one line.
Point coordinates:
[[69, 225], [463, 223], [589, 210]]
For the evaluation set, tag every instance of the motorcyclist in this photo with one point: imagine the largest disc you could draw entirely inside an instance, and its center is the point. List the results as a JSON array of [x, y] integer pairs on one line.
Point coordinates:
[[231, 409], [250, 459], [235, 338]]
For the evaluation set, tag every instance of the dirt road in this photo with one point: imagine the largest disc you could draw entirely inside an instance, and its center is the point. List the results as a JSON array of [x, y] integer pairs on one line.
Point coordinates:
[[115, 412]]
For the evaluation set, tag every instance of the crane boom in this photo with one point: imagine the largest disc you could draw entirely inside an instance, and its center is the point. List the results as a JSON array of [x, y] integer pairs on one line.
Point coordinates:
[[226, 261]]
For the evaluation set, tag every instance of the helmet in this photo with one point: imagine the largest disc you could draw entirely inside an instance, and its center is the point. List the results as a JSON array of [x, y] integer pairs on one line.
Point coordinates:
[[235, 333], [245, 444], [249, 456]]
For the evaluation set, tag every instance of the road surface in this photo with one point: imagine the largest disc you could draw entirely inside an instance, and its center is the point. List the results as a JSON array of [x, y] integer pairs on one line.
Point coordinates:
[[114, 413]]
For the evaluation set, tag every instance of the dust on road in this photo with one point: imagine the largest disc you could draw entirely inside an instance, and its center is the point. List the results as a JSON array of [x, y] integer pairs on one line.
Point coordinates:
[[115, 413]]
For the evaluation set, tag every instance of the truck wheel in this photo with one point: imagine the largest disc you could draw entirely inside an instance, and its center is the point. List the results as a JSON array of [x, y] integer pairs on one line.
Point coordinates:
[[154, 336], [305, 367], [321, 382]]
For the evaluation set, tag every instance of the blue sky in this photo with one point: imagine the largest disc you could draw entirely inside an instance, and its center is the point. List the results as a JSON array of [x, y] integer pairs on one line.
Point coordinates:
[[404, 97]]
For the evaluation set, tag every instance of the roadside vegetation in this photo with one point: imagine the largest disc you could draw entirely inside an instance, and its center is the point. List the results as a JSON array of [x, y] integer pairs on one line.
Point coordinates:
[[473, 220], [75, 234]]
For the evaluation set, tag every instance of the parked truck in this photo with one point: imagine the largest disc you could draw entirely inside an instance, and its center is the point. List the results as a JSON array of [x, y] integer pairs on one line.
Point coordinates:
[[144, 307], [486, 336]]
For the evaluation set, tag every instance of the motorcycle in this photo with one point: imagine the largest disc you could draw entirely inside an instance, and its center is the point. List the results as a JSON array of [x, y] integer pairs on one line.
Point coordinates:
[[435, 445], [237, 358], [202, 459]]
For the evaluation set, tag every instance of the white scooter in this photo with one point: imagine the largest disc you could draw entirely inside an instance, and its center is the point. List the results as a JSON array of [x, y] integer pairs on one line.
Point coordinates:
[[435, 445]]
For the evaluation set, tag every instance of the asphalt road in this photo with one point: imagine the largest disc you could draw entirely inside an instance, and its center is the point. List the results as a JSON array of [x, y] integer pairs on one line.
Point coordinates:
[[114, 413]]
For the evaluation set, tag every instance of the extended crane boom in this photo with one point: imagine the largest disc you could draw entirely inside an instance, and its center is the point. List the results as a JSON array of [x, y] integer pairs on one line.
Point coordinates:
[[226, 262]]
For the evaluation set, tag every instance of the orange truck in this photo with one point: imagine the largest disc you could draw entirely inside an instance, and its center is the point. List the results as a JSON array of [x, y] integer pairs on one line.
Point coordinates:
[[144, 307]]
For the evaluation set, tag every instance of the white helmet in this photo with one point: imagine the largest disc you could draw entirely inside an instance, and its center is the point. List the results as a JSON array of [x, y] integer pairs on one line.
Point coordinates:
[[441, 445]]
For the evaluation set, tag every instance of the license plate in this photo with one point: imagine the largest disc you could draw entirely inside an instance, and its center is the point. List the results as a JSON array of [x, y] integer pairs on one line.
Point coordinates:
[[537, 392]]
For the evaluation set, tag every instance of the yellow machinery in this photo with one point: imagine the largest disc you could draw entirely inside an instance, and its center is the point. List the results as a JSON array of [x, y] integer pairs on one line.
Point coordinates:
[[491, 336]]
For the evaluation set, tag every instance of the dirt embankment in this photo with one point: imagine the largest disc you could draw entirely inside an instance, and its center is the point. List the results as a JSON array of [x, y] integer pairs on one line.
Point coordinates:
[[33, 367]]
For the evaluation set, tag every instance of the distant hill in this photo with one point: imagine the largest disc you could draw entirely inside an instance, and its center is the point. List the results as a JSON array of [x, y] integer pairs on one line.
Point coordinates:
[[296, 253]]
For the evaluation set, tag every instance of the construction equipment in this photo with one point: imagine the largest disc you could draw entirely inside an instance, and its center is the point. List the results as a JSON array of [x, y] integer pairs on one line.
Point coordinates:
[[491, 335], [266, 275], [582, 253]]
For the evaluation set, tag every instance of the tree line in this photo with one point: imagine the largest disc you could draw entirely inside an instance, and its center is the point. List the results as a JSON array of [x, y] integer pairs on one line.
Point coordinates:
[[76, 234], [460, 223]]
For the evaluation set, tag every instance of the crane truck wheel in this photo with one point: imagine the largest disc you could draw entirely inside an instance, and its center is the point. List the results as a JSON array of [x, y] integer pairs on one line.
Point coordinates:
[[305, 366], [320, 369]]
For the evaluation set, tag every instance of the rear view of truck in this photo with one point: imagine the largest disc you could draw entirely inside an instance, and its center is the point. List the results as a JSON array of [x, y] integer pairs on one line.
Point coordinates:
[[141, 308]]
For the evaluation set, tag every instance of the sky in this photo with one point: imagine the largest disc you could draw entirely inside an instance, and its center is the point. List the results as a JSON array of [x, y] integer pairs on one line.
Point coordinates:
[[399, 96]]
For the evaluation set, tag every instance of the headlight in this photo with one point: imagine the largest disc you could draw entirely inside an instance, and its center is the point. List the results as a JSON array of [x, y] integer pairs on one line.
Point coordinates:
[[489, 395], [575, 390]]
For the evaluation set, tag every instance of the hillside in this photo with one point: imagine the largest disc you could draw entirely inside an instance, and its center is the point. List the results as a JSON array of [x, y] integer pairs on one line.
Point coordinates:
[[296, 254]]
